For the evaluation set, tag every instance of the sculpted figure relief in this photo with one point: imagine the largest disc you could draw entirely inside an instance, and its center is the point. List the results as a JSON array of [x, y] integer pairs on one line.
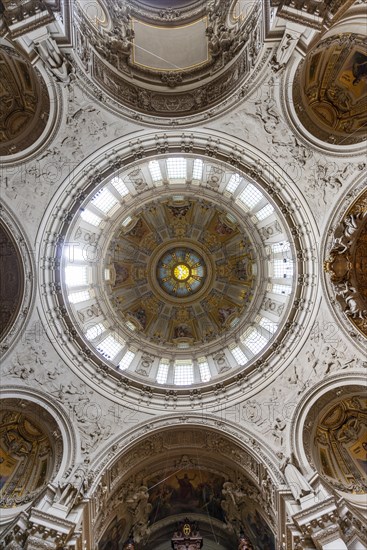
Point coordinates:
[[296, 481], [346, 264], [50, 54], [140, 509], [343, 236], [236, 498], [351, 301], [229, 504], [72, 492]]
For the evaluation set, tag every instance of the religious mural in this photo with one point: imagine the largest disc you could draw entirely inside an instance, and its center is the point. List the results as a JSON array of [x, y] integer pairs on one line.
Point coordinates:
[[166, 249], [240, 503], [258, 531], [191, 491]]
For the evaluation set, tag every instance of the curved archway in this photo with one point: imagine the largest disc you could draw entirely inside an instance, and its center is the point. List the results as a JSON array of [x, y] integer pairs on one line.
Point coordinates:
[[193, 469], [323, 412], [345, 275], [17, 274]]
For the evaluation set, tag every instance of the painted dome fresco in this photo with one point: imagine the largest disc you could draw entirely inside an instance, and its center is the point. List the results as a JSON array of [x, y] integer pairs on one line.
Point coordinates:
[[25, 102], [181, 272], [196, 276], [330, 89]]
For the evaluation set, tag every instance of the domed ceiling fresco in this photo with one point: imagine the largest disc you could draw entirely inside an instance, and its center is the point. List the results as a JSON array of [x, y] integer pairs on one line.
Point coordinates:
[[178, 280], [25, 102], [183, 280], [330, 90], [192, 266]]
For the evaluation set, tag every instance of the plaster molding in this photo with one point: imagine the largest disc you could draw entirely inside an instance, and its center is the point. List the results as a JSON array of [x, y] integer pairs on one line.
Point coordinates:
[[336, 218]]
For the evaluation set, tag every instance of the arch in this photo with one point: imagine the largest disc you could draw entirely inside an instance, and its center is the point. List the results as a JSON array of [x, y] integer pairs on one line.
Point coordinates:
[[175, 454], [61, 434], [346, 288], [26, 102], [20, 247], [318, 400]]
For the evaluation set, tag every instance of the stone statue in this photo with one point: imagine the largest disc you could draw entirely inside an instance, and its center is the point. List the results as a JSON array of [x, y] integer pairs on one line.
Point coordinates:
[[344, 232], [72, 492], [351, 301], [140, 509], [296, 481], [229, 504]]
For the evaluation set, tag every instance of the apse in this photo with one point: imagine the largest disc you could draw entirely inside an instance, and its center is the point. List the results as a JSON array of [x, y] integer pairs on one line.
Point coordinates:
[[330, 89], [25, 102], [31, 450], [183, 492], [335, 438]]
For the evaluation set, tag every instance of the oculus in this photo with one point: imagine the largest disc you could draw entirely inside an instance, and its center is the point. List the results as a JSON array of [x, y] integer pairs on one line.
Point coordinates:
[[181, 272]]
